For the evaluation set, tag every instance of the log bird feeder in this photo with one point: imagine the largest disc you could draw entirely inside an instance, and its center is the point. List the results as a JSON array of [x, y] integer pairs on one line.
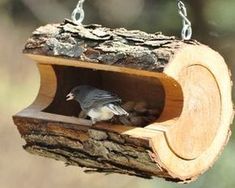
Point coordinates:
[[187, 82]]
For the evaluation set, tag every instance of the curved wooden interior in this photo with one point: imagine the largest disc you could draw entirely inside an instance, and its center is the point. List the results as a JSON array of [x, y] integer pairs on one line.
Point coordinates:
[[145, 89]]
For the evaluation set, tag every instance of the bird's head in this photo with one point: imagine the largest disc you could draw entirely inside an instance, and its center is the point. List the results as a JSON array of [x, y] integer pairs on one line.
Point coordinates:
[[78, 93]]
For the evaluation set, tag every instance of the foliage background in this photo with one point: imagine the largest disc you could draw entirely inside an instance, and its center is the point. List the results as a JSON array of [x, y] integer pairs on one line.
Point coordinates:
[[213, 24]]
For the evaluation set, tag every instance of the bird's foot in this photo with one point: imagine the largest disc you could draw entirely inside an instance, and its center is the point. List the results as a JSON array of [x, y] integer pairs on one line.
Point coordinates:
[[82, 115], [93, 121]]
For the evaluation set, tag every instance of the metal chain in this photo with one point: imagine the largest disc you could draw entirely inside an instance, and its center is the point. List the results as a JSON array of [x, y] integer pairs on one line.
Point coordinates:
[[186, 33], [78, 14]]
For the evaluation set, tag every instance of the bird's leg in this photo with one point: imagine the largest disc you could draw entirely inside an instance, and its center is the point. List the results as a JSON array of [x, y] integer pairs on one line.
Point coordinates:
[[124, 120], [82, 115]]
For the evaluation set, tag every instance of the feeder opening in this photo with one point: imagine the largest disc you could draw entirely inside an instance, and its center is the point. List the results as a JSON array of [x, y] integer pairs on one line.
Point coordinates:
[[142, 97]]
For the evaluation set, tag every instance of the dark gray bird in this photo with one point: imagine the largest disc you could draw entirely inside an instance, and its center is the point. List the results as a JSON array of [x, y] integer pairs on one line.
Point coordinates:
[[99, 105]]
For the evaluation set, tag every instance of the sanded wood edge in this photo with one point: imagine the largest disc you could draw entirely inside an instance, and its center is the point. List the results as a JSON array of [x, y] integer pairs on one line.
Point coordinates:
[[47, 90], [177, 166], [173, 100], [52, 60]]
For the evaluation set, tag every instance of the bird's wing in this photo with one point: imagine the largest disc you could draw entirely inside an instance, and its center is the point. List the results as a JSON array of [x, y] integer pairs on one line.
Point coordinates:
[[117, 110], [97, 98]]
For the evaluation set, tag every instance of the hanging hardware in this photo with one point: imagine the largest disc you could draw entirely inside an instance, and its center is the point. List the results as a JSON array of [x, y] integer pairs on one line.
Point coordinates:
[[78, 14], [186, 33]]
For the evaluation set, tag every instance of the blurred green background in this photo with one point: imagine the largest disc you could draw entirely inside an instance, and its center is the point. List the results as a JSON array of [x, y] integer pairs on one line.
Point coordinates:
[[213, 24]]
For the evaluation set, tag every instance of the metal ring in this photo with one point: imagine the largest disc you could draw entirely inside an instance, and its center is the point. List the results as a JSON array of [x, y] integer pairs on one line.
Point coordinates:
[[78, 13], [186, 32]]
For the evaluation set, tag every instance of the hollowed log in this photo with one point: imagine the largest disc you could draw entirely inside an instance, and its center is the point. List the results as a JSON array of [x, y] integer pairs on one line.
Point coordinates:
[[187, 82]]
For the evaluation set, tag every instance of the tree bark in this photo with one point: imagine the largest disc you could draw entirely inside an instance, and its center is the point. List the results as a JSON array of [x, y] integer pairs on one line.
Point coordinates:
[[98, 151], [97, 44]]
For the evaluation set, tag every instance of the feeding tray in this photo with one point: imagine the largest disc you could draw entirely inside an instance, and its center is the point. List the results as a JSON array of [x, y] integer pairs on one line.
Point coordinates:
[[187, 82]]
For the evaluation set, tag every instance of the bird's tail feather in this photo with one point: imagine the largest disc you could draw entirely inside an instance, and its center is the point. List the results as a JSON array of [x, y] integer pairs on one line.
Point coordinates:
[[117, 110]]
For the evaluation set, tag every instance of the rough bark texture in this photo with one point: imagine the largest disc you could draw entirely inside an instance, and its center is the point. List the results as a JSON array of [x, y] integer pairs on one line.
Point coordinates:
[[98, 151], [94, 43]]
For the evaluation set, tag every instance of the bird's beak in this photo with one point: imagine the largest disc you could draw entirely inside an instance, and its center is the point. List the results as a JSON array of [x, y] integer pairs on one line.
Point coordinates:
[[69, 97]]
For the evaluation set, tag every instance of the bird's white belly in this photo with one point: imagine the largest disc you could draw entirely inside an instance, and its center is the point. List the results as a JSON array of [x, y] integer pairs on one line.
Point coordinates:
[[100, 114]]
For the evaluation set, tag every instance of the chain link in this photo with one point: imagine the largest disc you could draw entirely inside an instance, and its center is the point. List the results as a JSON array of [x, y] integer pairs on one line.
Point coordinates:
[[78, 14], [186, 33]]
